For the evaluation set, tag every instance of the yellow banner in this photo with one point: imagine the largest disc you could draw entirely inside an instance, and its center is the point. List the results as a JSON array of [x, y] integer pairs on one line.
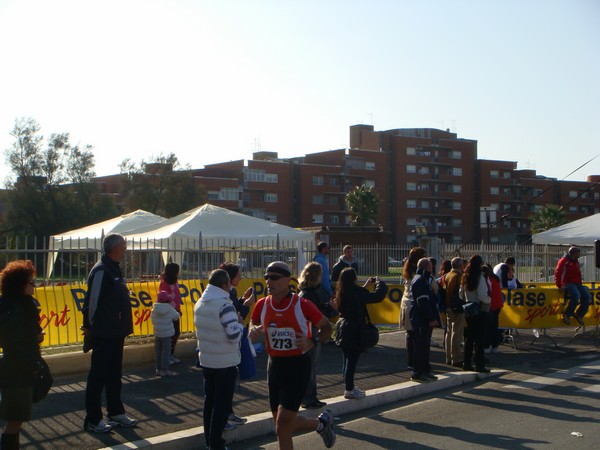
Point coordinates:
[[61, 317]]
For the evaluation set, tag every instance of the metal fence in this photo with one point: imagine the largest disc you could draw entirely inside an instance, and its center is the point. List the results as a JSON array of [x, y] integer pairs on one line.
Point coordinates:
[[145, 262]]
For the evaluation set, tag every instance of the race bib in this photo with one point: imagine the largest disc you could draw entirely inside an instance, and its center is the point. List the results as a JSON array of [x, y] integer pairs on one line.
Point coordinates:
[[282, 338]]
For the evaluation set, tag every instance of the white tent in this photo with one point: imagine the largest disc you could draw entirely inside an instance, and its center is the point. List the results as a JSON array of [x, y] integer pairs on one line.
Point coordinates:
[[212, 227], [90, 238], [581, 232], [217, 228]]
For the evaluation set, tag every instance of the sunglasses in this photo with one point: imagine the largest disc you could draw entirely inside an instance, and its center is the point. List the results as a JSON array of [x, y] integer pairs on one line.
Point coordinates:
[[273, 277]]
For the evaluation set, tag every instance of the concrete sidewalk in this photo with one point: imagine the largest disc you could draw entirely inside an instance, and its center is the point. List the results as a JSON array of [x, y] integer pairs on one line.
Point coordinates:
[[170, 409]]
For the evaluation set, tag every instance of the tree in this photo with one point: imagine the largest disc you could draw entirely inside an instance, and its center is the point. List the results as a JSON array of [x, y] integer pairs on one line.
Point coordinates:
[[362, 205], [161, 186], [51, 187], [550, 216]]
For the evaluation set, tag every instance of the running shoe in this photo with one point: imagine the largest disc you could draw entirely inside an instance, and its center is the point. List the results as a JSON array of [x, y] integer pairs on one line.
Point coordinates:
[[327, 432]]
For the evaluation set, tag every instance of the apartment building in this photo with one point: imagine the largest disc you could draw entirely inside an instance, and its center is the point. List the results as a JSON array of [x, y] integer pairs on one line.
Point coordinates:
[[430, 182]]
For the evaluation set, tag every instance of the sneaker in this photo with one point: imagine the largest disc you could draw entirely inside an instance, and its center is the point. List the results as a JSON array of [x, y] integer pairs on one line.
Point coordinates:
[[482, 370], [229, 426], [566, 319], [495, 350], [579, 320], [487, 350], [236, 420], [355, 394], [174, 360], [420, 379], [430, 376], [101, 427], [315, 404], [123, 420], [327, 433]]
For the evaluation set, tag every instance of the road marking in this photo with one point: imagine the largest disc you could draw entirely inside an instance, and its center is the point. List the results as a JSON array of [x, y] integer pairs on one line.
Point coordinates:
[[557, 377]]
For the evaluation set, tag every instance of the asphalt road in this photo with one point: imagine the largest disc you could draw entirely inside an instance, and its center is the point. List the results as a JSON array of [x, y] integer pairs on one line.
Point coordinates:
[[167, 405], [555, 410]]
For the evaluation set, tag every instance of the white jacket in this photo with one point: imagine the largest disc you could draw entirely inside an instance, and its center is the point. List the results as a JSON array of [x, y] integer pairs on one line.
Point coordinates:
[[218, 330], [162, 317]]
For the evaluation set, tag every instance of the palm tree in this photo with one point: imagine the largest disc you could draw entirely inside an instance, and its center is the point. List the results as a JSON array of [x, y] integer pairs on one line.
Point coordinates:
[[362, 205], [550, 216]]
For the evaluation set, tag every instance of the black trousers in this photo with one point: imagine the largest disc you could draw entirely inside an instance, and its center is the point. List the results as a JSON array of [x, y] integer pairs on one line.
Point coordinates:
[[421, 349], [105, 374], [474, 339]]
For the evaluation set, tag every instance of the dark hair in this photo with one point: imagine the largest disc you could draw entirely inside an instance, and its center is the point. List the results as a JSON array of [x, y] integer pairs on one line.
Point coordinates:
[[472, 274], [445, 267], [321, 245], [410, 266], [15, 276], [510, 260], [346, 282], [488, 272], [218, 277], [231, 268], [171, 273]]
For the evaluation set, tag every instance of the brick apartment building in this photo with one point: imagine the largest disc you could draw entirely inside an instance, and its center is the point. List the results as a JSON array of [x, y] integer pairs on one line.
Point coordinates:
[[429, 180]]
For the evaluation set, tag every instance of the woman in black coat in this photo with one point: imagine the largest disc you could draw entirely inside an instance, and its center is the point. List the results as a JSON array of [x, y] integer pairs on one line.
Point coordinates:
[[352, 300], [20, 337]]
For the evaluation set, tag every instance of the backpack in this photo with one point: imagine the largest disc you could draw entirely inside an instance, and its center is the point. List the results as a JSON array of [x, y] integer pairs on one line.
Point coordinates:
[[456, 303]]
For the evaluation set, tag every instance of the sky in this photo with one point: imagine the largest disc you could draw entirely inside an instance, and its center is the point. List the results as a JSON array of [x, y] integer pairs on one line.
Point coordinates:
[[214, 81]]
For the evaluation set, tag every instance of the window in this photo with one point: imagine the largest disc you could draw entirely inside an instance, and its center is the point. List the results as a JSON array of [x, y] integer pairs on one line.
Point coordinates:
[[270, 198], [457, 171], [411, 186], [425, 204], [317, 199], [456, 188], [424, 170], [423, 187], [334, 219], [333, 181], [411, 221], [456, 154], [411, 203], [506, 175], [456, 205], [317, 180], [494, 174], [271, 217], [370, 183], [506, 191], [457, 222], [572, 194], [370, 165], [457, 239], [494, 190], [411, 168], [260, 175], [411, 151], [317, 218], [333, 201], [229, 194], [212, 195], [572, 209]]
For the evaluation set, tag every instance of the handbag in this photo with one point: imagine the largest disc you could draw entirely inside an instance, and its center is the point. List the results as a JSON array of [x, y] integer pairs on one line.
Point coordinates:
[[369, 334], [471, 309], [42, 380], [247, 366]]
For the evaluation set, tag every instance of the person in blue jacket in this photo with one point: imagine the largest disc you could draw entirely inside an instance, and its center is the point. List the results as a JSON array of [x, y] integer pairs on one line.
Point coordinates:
[[424, 316], [322, 258]]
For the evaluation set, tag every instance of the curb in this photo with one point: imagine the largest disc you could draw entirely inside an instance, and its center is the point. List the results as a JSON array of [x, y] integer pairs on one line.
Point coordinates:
[[262, 424]]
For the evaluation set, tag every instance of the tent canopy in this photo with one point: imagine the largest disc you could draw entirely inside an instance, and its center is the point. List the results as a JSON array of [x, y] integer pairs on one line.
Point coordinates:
[[579, 232], [90, 238], [210, 226]]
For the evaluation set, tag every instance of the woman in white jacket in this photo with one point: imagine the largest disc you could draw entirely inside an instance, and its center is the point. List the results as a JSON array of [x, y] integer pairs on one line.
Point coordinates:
[[473, 289], [219, 331], [163, 316]]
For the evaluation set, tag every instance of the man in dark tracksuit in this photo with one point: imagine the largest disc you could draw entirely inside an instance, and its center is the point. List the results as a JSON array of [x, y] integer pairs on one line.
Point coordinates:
[[107, 320], [423, 317]]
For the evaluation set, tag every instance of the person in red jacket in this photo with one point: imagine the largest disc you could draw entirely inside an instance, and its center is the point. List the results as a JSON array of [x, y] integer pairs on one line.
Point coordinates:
[[567, 276], [493, 336]]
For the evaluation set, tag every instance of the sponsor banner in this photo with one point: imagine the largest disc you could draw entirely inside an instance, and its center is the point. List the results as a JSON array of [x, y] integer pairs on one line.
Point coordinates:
[[60, 307]]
